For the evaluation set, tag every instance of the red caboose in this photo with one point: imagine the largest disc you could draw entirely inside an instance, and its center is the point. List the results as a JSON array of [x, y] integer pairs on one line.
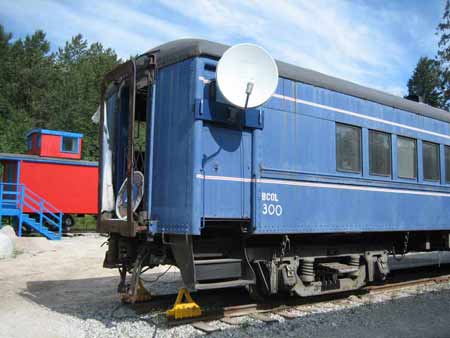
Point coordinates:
[[49, 183]]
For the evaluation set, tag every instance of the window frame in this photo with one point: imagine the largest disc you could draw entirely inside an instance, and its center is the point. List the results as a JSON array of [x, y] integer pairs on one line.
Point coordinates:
[[437, 145], [360, 162], [371, 173], [76, 140], [416, 158]]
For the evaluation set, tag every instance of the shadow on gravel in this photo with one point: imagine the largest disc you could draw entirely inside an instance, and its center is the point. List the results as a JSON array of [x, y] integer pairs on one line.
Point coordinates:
[[95, 298]]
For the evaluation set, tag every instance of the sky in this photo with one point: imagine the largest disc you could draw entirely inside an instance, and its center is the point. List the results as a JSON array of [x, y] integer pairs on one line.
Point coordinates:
[[374, 43]]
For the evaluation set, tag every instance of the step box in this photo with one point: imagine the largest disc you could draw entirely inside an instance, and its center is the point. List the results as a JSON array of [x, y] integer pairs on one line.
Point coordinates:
[[217, 269]]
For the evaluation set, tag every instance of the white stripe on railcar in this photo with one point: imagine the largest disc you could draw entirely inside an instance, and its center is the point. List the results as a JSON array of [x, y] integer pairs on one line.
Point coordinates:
[[321, 185], [347, 112]]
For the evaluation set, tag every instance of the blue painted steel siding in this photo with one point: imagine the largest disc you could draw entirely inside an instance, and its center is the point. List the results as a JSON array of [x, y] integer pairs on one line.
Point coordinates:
[[305, 151], [174, 133], [316, 209], [208, 170]]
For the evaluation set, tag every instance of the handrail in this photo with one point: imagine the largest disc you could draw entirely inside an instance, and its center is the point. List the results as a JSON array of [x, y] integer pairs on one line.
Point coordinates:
[[39, 209], [28, 190], [45, 201], [22, 197]]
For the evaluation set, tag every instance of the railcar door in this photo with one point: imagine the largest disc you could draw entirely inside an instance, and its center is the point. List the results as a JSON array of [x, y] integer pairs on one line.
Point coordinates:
[[226, 168]]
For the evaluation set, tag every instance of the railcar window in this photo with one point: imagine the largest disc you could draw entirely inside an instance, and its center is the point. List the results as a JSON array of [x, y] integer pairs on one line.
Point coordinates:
[[431, 168], [69, 144], [407, 157], [380, 153], [447, 164], [348, 148]]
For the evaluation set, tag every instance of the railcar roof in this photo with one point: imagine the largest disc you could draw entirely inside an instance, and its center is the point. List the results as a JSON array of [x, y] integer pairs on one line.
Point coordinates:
[[179, 50], [36, 158]]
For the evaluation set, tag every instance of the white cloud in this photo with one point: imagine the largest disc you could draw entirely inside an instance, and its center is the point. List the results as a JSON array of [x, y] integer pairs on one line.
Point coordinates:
[[346, 39], [126, 30], [337, 38]]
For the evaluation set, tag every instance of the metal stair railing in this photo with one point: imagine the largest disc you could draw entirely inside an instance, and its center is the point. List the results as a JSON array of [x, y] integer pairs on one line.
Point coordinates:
[[46, 211], [13, 191], [26, 199]]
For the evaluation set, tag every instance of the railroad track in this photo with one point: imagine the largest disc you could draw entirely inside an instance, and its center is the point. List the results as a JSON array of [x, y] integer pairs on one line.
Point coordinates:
[[405, 284], [238, 306]]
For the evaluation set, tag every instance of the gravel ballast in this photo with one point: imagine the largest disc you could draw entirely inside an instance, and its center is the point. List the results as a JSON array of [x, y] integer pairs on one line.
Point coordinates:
[[59, 289]]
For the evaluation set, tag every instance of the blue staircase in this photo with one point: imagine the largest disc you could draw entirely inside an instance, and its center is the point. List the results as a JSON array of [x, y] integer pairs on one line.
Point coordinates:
[[31, 210]]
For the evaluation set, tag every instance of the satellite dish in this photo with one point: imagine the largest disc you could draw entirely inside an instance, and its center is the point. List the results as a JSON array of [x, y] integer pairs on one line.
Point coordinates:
[[247, 76], [137, 192]]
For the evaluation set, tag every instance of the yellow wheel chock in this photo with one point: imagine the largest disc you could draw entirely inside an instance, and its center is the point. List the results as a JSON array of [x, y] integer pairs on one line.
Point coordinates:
[[188, 309], [142, 295]]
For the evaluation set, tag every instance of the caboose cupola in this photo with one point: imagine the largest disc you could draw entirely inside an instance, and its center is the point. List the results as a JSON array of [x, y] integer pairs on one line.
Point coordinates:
[[54, 143]]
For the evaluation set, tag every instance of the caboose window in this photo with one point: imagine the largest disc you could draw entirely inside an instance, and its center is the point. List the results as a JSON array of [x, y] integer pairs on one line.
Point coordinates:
[[348, 148], [69, 144], [447, 164], [431, 168], [380, 153], [407, 157]]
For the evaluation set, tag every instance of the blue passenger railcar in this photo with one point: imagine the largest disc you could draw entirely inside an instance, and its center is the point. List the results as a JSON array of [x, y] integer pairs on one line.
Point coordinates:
[[309, 193]]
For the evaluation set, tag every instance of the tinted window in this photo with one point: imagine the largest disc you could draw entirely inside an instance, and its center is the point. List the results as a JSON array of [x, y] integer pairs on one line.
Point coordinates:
[[407, 157], [380, 153], [348, 148], [431, 168], [69, 144], [447, 164]]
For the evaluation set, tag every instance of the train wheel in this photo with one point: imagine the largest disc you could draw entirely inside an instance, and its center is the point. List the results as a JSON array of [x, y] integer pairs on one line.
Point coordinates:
[[67, 223]]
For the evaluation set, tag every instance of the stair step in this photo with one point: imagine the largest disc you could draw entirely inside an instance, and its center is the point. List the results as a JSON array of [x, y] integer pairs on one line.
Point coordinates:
[[41, 229], [214, 269], [10, 207]]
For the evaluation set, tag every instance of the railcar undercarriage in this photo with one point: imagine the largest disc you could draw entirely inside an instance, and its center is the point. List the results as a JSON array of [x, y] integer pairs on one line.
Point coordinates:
[[225, 255]]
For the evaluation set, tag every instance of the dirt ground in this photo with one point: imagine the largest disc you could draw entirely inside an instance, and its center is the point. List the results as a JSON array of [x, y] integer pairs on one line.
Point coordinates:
[[59, 289]]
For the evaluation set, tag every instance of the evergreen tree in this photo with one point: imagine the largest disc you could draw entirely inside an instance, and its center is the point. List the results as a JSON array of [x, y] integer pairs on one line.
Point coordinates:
[[40, 89], [27, 69], [424, 84], [443, 30], [81, 70]]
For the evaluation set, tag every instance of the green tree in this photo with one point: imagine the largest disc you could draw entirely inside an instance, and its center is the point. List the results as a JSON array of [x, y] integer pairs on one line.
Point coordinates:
[[81, 68], [27, 70], [40, 89], [424, 84], [443, 30]]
